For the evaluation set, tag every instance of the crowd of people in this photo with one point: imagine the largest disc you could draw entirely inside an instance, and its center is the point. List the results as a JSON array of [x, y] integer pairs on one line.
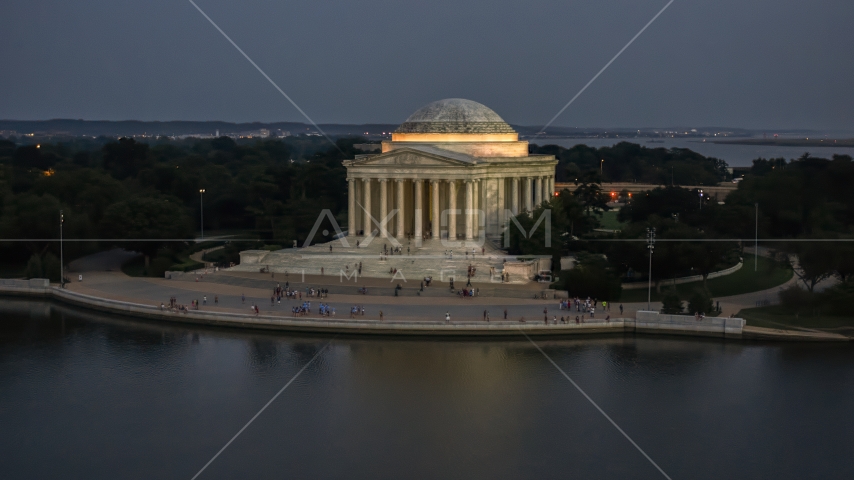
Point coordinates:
[[324, 309], [587, 306]]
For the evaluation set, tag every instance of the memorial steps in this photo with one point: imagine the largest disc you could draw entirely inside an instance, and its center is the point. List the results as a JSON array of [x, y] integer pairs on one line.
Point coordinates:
[[434, 258]]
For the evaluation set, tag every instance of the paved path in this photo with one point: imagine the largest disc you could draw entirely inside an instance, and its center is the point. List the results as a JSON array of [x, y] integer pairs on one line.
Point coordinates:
[[103, 277]]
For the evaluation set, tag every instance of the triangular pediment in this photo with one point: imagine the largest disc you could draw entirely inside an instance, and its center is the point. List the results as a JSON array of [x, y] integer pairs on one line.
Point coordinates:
[[414, 158]]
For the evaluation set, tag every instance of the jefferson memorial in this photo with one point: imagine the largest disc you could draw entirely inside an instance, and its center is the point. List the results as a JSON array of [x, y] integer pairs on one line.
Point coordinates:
[[452, 170], [442, 189]]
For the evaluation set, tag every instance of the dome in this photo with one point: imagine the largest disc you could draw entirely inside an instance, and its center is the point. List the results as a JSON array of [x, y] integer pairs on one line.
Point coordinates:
[[454, 115]]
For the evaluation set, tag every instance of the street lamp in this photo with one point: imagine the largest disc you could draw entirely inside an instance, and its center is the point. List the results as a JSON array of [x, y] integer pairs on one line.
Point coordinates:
[[61, 266], [601, 167], [701, 199], [650, 244], [202, 214]]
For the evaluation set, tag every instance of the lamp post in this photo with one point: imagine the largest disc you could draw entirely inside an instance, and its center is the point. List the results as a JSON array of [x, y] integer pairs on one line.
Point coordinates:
[[602, 167], [202, 213], [61, 257], [701, 199], [650, 244], [756, 242]]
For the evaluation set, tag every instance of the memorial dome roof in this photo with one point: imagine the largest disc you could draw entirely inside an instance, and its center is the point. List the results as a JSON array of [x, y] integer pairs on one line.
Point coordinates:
[[454, 115]]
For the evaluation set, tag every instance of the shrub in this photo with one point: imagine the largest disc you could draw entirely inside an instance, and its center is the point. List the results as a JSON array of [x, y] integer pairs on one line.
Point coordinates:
[[700, 302], [43, 266], [592, 281], [159, 266], [671, 303]]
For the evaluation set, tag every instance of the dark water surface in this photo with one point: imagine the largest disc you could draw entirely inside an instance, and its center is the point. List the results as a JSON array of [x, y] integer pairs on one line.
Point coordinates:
[[84, 395]]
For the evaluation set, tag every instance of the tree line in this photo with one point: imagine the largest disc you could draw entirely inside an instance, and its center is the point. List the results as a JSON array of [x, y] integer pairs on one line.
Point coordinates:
[[805, 213], [124, 189]]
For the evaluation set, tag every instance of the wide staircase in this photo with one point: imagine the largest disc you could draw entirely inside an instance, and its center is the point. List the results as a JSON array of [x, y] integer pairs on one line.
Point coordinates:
[[378, 259]]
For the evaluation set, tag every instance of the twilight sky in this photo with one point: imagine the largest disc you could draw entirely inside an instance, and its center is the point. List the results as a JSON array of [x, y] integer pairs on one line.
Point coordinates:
[[756, 64]]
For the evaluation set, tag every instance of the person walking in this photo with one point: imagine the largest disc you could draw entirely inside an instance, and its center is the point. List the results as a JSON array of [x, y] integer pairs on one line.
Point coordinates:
[[621, 309], [242, 298], [205, 300], [447, 317], [505, 314], [381, 315], [216, 299]]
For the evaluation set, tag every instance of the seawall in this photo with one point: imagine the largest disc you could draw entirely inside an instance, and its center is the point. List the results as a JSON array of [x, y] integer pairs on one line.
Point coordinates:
[[646, 322]]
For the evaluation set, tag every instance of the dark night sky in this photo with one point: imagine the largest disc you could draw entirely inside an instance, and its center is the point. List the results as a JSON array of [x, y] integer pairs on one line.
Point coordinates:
[[753, 64]]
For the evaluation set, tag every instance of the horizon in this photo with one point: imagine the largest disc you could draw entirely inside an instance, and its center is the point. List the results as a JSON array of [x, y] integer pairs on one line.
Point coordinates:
[[758, 130]]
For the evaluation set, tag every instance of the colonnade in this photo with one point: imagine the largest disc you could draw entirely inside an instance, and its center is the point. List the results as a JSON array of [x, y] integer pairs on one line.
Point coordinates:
[[426, 206]]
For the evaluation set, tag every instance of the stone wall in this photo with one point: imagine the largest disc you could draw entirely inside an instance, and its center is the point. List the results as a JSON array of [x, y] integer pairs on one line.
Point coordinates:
[[687, 324]]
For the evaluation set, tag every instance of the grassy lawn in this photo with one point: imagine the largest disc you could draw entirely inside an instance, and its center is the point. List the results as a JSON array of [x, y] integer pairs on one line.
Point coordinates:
[[770, 274], [779, 317], [609, 221]]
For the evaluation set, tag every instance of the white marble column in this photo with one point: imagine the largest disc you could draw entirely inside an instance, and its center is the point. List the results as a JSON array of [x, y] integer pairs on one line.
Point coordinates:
[[434, 185], [538, 191], [514, 195], [501, 191], [469, 207], [351, 207], [529, 206], [419, 203], [399, 187], [383, 206], [366, 205], [475, 220], [452, 205], [551, 188]]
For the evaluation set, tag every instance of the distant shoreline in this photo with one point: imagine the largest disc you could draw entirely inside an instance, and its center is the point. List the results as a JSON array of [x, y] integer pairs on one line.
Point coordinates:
[[791, 142]]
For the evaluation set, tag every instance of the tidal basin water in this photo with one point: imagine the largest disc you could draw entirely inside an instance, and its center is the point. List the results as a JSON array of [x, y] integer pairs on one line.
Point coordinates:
[[84, 395]]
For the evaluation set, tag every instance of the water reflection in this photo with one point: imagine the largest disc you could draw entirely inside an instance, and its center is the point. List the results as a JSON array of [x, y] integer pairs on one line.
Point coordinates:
[[75, 382]]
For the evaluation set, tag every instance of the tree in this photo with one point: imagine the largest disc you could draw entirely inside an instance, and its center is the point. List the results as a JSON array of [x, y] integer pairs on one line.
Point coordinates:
[[589, 193], [30, 216], [671, 303], [707, 255], [524, 239], [592, 277], [126, 157], [43, 266], [812, 262], [143, 220], [701, 302]]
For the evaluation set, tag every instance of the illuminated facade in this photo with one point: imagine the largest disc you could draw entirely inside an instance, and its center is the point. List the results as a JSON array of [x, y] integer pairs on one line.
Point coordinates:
[[453, 170]]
